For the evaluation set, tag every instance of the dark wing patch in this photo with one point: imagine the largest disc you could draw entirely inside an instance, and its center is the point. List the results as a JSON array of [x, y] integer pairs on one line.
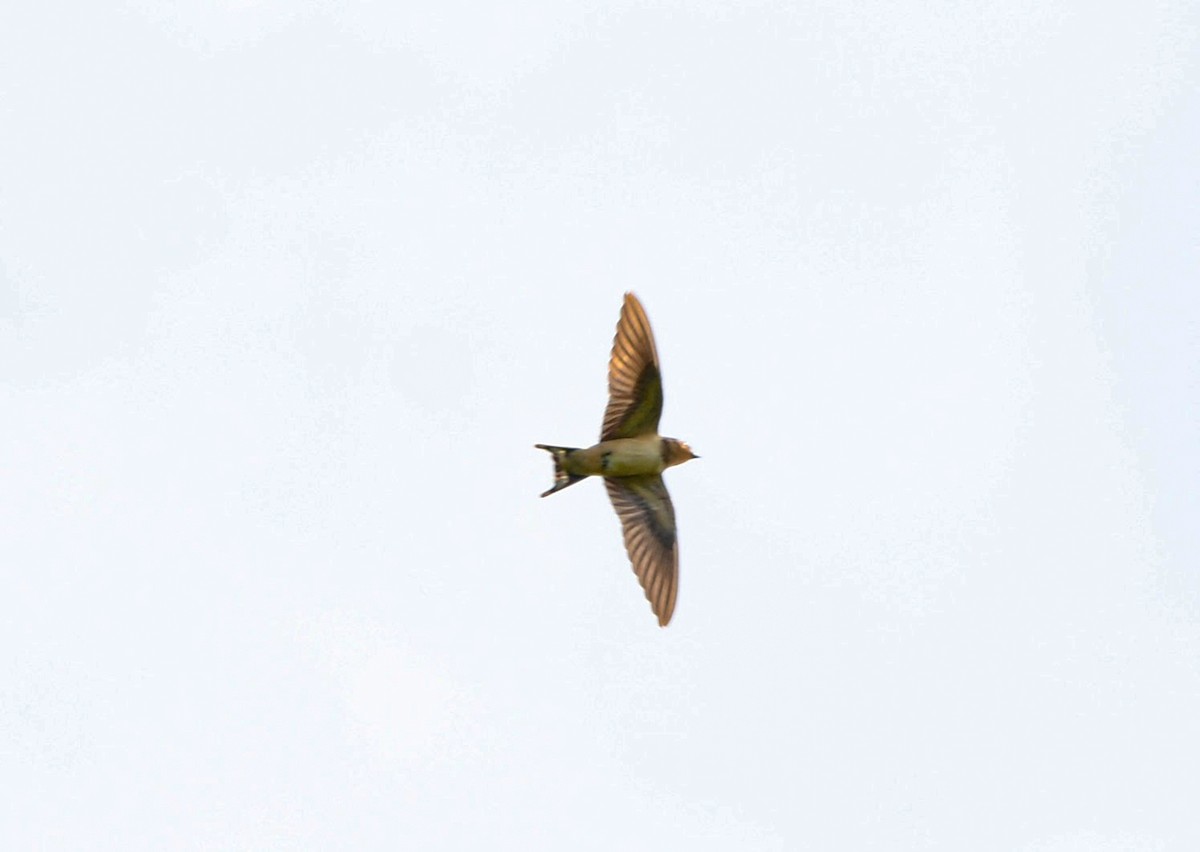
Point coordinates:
[[648, 521], [635, 396]]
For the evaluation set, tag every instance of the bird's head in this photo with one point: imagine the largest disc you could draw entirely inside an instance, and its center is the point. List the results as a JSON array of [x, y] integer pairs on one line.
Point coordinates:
[[677, 452]]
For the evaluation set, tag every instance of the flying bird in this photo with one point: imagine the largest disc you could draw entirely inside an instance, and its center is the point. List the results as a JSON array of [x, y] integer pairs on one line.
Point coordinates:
[[631, 457]]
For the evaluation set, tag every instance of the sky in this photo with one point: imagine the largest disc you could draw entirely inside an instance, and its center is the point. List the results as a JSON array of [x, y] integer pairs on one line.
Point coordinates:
[[289, 290]]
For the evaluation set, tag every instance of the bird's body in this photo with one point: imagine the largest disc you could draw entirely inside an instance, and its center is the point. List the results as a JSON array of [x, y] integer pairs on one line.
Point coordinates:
[[645, 454], [631, 457]]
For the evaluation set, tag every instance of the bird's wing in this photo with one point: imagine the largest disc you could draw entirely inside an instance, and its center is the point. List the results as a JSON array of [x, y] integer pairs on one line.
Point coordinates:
[[635, 396], [648, 520]]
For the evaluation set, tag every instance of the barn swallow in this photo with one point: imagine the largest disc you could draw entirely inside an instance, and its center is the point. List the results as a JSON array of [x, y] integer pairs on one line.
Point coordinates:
[[631, 457]]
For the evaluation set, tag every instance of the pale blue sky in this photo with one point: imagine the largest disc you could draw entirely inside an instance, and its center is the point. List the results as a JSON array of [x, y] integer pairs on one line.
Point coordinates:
[[288, 291]]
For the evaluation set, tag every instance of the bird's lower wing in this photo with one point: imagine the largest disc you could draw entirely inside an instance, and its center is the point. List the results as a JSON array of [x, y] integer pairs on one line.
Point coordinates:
[[648, 520]]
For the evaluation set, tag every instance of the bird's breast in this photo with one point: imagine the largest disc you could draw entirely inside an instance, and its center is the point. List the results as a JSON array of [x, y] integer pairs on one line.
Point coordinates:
[[620, 457]]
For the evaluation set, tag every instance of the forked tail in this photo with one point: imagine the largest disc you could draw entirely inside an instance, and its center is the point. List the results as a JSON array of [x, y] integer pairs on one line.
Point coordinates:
[[561, 478]]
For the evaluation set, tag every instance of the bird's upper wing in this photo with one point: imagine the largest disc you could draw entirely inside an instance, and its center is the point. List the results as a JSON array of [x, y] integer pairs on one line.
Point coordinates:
[[648, 520], [635, 396]]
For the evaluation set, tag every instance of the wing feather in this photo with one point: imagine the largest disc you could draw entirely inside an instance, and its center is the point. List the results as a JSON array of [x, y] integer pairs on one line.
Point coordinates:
[[648, 522], [635, 396]]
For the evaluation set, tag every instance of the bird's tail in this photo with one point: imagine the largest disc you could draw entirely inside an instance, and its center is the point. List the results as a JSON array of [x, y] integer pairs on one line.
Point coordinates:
[[561, 477]]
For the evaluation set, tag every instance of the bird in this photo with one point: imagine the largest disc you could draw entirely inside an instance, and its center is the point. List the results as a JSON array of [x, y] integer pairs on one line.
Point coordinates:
[[631, 457]]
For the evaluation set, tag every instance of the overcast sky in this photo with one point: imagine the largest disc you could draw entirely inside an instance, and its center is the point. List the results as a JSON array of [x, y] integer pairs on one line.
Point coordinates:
[[288, 291]]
